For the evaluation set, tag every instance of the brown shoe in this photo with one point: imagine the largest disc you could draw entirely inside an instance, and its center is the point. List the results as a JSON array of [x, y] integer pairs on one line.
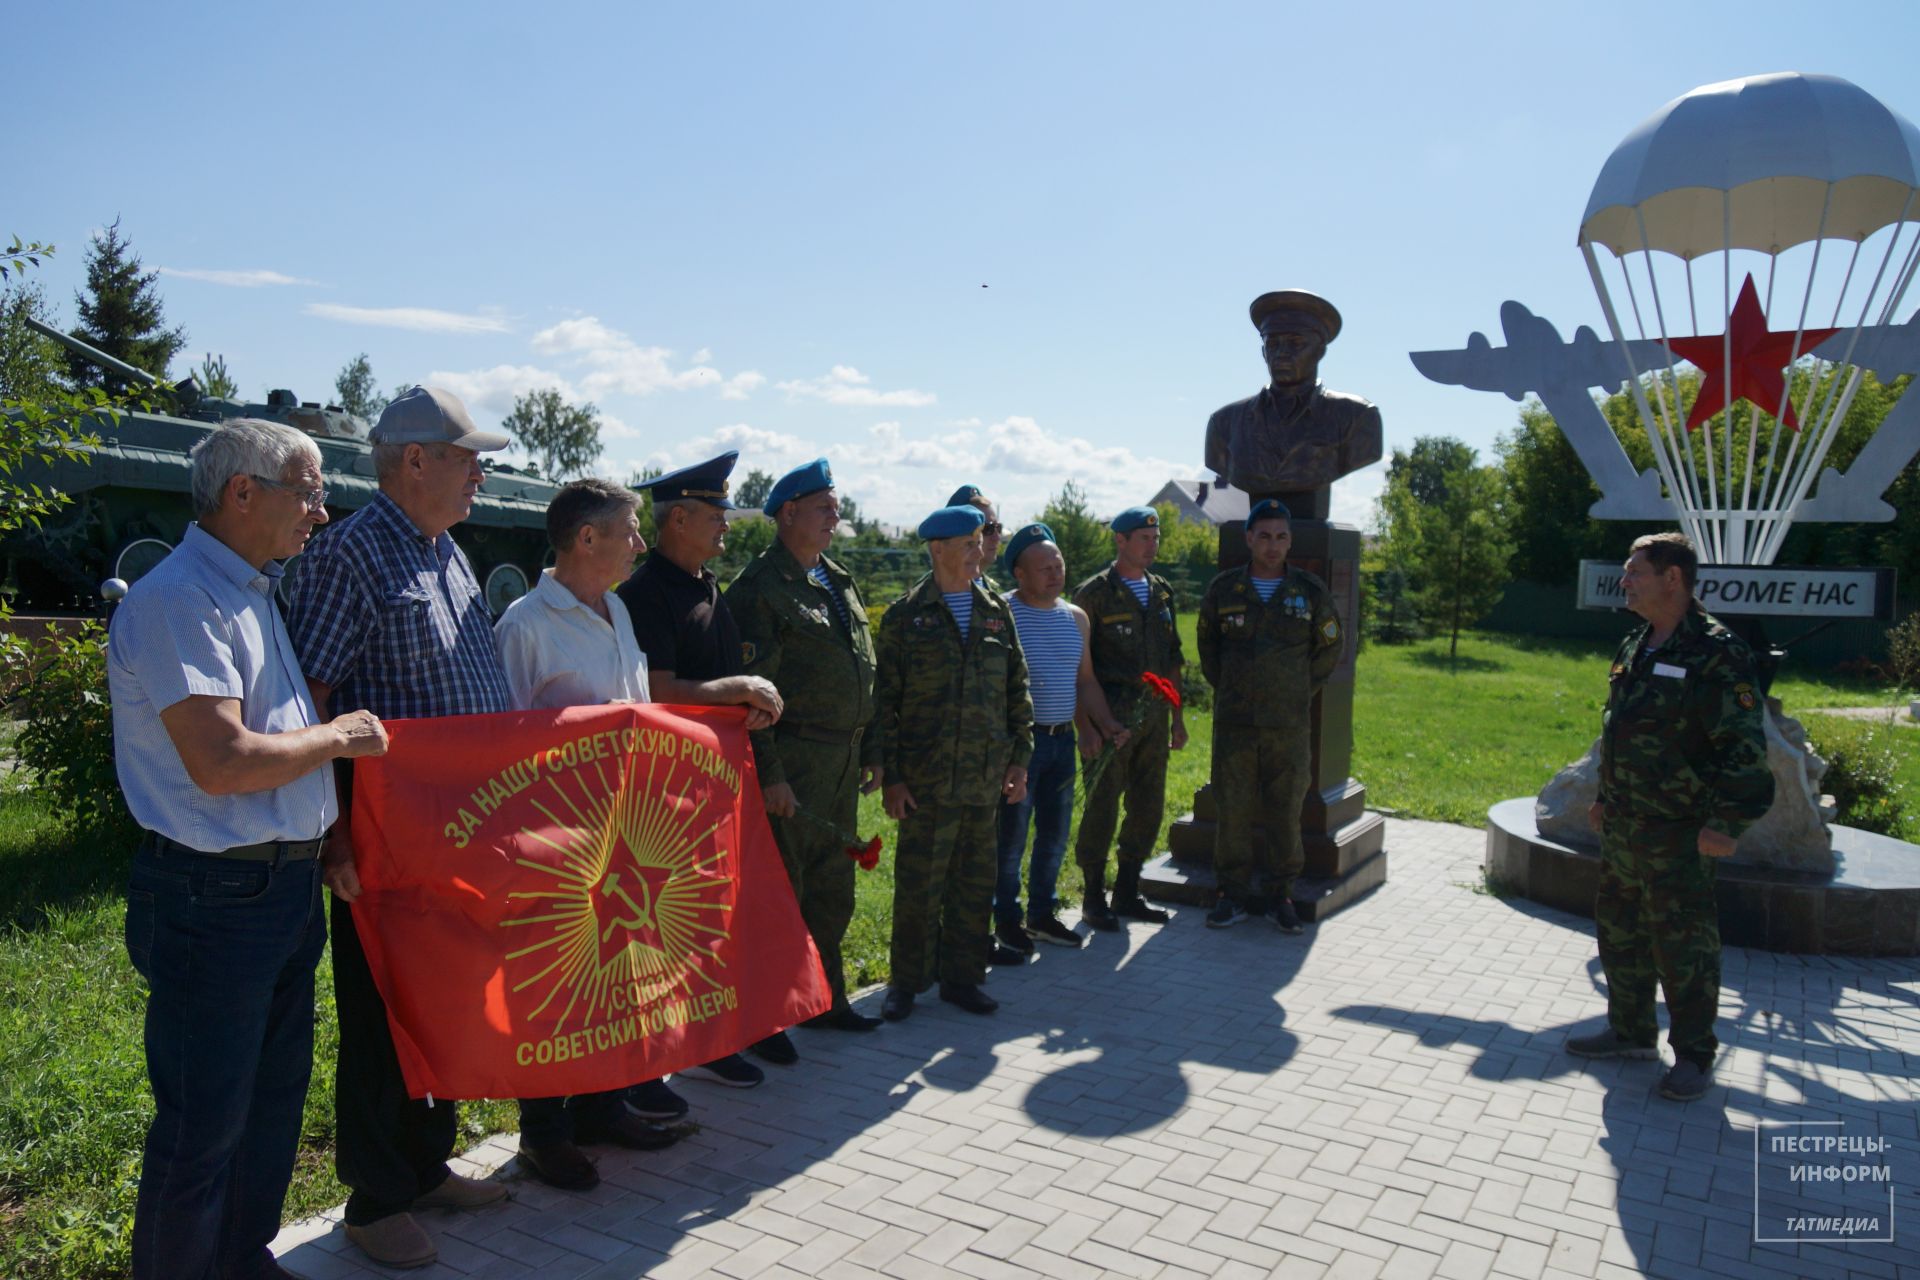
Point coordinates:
[[560, 1164], [461, 1192], [395, 1241]]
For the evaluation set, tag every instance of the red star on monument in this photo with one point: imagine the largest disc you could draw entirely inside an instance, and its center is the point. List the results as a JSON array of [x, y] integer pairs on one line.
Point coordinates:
[[1759, 359]]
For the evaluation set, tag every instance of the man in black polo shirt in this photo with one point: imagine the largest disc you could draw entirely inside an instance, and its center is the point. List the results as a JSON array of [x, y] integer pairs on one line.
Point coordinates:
[[693, 649]]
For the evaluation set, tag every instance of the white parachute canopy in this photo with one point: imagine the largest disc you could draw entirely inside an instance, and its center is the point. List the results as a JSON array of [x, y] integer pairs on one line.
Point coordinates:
[[1805, 190]]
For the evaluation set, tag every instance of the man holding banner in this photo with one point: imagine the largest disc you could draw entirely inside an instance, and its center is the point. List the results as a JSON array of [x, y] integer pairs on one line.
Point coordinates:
[[387, 618], [568, 643]]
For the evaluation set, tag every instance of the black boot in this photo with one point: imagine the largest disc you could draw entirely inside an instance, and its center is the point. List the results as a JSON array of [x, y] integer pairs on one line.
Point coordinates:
[[1127, 902], [1093, 909]]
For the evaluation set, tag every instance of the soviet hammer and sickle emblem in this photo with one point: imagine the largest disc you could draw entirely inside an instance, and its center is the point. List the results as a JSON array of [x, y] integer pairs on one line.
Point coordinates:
[[642, 917]]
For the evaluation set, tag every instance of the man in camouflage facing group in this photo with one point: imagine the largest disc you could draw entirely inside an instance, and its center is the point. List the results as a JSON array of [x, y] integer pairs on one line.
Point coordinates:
[[1683, 772], [956, 732], [1268, 637], [804, 627], [1133, 634]]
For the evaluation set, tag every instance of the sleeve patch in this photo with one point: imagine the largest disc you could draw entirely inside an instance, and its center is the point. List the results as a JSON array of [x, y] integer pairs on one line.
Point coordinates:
[[1330, 629], [748, 652]]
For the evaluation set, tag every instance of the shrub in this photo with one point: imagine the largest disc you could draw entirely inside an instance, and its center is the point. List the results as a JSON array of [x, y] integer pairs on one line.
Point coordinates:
[[65, 745], [1195, 693], [1861, 774], [1903, 652]]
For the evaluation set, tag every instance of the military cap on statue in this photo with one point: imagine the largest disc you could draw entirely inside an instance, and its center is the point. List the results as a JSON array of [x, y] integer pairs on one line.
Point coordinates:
[[1268, 509], [1035, 532], [951, 522], [1298, 302], [966, 495], [1135, 518], [798, 483], [706, 481]]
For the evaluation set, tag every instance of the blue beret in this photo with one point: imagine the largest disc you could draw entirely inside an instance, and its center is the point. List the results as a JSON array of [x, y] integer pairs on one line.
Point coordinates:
[[798, 483], [1020, 541], [951, 522], [1268, 509], [706, 481], [1135, 518], [966, 495]]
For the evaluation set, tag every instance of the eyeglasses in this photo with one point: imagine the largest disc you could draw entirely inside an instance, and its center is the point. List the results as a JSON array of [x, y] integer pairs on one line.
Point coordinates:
[[991, 529], [314, 498]]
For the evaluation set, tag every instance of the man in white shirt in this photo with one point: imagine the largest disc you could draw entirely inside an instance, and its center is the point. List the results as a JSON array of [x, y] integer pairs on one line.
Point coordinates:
[[569, 643]]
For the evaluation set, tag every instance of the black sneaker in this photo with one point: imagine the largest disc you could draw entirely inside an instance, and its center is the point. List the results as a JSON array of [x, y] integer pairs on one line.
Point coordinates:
[[845, 1018], [1014, 938], [1284, 917], [1225, 914], [1686, 1080], [733, 1071], [777, 1049], [1004, 956], [560, 1164], [1093, 909], [1051, 930], [653, 1100], [968, 997]]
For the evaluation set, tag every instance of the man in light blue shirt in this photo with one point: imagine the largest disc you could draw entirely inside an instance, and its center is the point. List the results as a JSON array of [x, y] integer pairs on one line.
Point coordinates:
[[224, 764]]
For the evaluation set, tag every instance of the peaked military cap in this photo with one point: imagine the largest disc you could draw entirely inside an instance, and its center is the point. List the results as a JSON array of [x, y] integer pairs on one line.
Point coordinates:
[[798, 483], [1030, 534], [706, 481], [1135, 518], [1299, 302], [1268, 509], [951, 522], [965, 496]]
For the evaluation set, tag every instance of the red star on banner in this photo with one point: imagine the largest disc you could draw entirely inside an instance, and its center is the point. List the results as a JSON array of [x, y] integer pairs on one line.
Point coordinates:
[[1759, 358]]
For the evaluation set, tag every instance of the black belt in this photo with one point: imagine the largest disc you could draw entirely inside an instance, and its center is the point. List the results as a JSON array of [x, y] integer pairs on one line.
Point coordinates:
[[839, 737], [269, 851], [1057, 730]]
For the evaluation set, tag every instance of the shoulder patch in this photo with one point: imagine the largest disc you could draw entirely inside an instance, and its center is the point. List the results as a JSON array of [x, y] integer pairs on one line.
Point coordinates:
[[748, 652], [1330, 628]]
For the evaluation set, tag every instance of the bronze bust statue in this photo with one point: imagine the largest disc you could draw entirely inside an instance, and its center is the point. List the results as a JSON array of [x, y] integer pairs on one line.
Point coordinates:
[[1295, 437]]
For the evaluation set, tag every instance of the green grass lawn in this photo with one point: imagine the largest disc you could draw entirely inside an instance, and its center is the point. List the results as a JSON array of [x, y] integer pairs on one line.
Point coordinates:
[[1432, 741]]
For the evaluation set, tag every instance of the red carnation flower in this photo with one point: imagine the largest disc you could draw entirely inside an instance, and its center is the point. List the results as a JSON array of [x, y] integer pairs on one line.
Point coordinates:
[[867, 856]]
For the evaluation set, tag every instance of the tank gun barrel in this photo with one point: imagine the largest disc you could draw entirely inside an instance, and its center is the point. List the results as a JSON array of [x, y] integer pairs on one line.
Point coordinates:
[[92, 353]]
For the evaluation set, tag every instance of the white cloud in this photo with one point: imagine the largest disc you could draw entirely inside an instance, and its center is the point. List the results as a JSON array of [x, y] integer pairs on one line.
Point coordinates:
[[616, 363], [703, 356], [741, 385], [234, 279], [494, 390], [419, 319], [846, 385], [1353, 496]]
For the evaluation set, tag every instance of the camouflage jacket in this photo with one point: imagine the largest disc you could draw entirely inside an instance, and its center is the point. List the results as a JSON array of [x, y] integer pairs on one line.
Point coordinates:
[[792, 633], [1683, 737], [1125, 641], [1266, 660], [953, 714]]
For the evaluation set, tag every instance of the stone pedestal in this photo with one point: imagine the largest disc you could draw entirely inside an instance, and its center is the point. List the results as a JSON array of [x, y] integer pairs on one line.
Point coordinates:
[[1343, 842]]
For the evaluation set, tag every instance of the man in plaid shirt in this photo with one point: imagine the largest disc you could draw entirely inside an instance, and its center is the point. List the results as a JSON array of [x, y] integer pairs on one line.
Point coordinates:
[[387, 617]]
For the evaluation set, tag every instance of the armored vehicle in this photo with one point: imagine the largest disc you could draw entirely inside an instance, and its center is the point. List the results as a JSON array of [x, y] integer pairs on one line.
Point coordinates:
[[131, 501]]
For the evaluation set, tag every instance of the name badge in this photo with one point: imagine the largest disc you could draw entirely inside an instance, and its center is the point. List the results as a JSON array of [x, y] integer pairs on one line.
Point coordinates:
[[1668, 669]]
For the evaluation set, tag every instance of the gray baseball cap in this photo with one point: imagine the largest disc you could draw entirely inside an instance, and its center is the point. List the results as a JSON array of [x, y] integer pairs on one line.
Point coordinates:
[[429, 415]]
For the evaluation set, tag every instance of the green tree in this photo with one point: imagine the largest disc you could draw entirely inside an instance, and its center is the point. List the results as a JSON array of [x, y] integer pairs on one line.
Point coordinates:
[[1085, 541], [214, 380], [1192, 544], [1452, 543], [562, 438], [121, 314], [32, 365], [754, 489], [356, 390]]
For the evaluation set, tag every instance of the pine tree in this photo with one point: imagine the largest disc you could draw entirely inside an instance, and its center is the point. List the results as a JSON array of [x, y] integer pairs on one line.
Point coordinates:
[[120, 313]]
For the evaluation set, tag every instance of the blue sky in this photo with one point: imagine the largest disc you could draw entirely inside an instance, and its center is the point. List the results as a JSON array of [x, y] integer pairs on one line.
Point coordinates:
[[768, 226]]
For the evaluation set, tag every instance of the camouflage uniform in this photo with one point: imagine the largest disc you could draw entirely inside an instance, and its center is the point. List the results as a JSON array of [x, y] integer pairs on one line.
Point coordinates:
[[817, 649], [1265, 662], [953, 716], [1683, 747], [1125, 642]]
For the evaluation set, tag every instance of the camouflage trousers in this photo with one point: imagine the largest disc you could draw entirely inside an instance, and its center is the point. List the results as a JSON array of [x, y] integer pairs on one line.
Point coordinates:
[[1138, 772], [1260, 779], [1657, 920], [944, 867], [825, 777]]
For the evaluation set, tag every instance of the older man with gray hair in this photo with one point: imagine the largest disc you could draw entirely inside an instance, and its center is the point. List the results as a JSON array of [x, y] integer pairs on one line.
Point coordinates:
[[223, 760]]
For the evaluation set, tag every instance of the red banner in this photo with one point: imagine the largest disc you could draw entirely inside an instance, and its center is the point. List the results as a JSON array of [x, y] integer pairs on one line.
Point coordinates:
[[560, 902]]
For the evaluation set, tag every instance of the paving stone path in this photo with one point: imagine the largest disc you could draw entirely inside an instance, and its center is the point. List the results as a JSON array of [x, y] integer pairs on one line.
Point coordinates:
[[1384, 1096]]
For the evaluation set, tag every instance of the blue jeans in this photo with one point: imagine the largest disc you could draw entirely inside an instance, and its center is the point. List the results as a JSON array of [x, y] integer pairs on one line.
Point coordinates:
[[228, 950], [1049, 804]]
